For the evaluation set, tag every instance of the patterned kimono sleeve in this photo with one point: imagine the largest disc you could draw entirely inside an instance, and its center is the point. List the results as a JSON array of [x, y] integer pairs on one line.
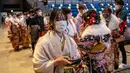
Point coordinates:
[[86, 43]]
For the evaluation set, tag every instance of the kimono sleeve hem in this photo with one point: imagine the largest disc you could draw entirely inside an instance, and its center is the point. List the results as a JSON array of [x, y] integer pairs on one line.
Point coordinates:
[[48, 68]]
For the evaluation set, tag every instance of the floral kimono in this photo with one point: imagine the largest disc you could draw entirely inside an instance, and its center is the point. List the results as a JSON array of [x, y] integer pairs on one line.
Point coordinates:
[[95, 40], [15, 33], [112, 55], [48, 48], [24, 34]]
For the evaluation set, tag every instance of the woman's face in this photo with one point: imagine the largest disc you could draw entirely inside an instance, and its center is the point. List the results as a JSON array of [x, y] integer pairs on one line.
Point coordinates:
[[39, 12], [82, 11], [117, 6], [60, 23], [14, 15], [106, 15], [10, 16], [69, 16]]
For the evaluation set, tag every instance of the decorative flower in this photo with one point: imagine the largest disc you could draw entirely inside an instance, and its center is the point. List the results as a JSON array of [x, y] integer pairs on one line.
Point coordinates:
[[91, 19]]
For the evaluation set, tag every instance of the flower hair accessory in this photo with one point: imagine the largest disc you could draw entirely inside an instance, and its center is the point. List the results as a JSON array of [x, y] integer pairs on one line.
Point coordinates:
[[91, 19]]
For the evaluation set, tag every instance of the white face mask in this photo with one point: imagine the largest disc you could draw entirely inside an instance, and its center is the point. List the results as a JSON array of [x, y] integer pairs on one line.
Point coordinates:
[[84, 10], [61, 26], [14, 16], [69, 15], [10, 16], [28, 15], [117, 7]]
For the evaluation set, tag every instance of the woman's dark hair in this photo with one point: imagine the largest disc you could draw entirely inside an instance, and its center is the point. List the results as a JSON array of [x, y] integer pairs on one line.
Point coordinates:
[[25, 13], [107, 10], [87, 15], [66, 10], [120, 2], [53, 16], [9, 14], [36, 10], [31, 11], [82, 7], [19, 14]]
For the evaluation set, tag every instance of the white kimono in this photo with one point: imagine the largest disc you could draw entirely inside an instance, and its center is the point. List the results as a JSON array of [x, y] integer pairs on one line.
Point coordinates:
[[48, 48], [71, 28], [114, 22]]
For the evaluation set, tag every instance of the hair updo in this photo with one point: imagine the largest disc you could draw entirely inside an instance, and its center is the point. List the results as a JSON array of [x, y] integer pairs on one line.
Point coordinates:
[[91, 17]]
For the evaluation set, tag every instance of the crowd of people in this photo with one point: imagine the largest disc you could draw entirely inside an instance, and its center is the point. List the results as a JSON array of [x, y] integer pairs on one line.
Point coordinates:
[[61, 43], [25, 28]]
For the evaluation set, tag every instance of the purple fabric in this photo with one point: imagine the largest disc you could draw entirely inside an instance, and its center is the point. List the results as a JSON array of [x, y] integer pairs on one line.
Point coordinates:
[[78, 23]]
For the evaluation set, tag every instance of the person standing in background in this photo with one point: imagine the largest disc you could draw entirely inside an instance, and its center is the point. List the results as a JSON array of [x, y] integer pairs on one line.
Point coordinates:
[[23, 28], [112, 53], [35, 28], [8, 24], [81, 9], [15, 32], [121, 14], [71, 27], [40, 21]]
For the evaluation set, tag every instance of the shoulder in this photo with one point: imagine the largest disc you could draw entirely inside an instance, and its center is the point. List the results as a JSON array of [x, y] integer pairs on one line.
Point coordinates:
[[123, 11], [114, 18], [45, 39], [42, 41], [100, 29]]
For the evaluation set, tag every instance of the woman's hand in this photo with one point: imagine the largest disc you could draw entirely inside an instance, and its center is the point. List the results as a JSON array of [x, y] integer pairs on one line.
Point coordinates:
[[61, 61]]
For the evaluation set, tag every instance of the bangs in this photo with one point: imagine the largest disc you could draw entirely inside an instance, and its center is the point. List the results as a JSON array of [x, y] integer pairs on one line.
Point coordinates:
[[60, 17]]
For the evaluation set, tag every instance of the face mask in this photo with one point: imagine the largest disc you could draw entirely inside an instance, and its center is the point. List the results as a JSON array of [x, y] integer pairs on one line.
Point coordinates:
[[117, 7], [69, 15], [10, 16], [84, 10], [61, 26], [14, 16], [28, 15]]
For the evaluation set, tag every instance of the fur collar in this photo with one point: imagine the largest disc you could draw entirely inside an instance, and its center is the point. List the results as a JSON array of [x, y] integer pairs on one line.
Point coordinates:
[[100, 29]]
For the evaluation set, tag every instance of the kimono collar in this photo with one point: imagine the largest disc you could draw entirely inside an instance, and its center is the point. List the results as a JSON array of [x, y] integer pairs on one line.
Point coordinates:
[[96, 30]]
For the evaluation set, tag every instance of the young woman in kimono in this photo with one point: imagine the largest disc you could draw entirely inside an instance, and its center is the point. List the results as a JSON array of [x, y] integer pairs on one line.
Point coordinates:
[[95, 39], [8, 24], [23, 28], [54, 50], [121, 14], [15, 32], [71, 28], [112, 54]]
